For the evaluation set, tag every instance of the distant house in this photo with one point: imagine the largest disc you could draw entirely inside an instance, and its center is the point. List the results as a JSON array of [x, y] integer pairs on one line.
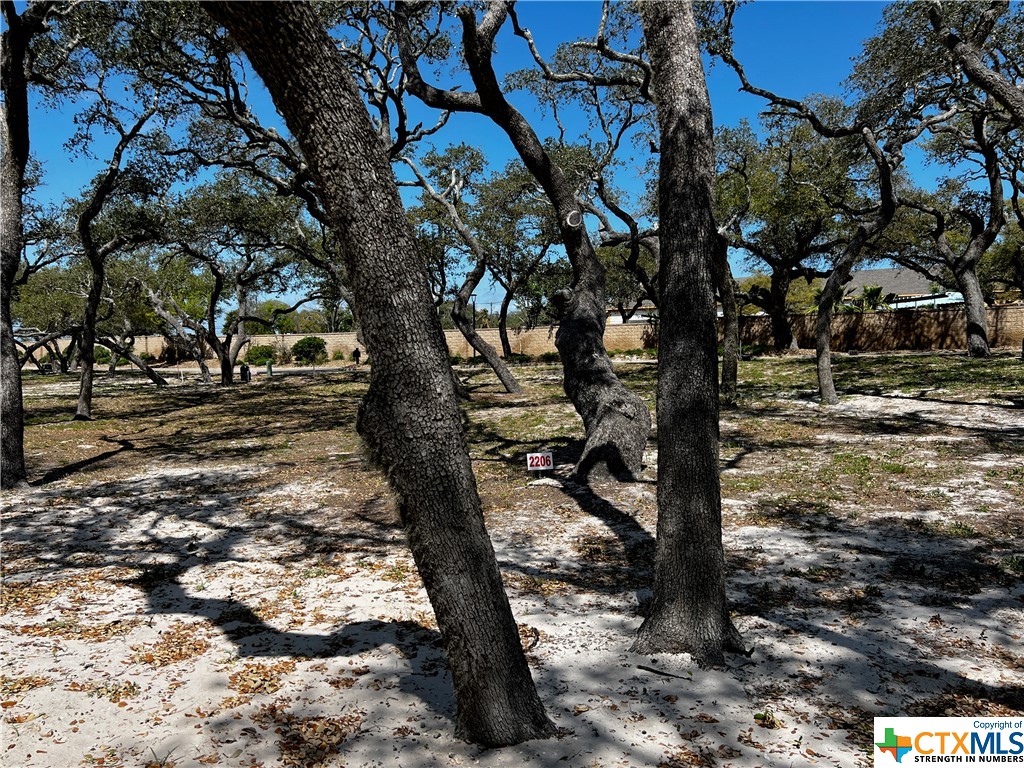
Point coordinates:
[[902, 288]]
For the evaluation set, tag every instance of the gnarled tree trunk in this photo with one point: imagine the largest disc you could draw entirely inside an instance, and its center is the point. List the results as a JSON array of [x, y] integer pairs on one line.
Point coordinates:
[[974, 307], [506, 346], [410, 417], [616, 420]]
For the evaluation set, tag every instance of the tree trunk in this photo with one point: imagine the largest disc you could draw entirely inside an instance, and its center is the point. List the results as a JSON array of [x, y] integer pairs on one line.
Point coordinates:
[[465, 326], [616, 420], [782, 330], [12, 425], [87, 352], [227, 368], [410, 417], [730, 328], [204, 369], [68, 356], [14, 135], [830, 296], [977, 316], [506, 346], [125, 350], [689, 611]]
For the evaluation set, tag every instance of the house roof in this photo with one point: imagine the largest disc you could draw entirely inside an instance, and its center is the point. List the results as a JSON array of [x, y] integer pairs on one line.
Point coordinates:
[[898, 281]]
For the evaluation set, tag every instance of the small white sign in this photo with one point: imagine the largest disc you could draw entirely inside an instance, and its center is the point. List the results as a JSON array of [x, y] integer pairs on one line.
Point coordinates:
[[537, 462]]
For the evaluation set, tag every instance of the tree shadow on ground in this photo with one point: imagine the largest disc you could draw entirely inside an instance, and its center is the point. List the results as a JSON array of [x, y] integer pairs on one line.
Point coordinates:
[[160, 527]]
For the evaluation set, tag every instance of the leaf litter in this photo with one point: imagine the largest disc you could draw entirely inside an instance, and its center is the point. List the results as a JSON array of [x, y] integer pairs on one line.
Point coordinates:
[[173, 605]]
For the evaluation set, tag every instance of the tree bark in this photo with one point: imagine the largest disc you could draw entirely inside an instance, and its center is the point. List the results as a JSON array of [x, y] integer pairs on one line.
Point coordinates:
[[14, 135], [974, 307], [227, 370], [831, 294], [969, 57], [410, 418], [730, 328], [689, 611], [87, 352], [616, 420], [506, 345], [782, 330]]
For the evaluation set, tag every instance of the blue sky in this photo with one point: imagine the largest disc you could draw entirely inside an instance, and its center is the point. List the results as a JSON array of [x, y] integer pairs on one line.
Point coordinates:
[[794, 48]]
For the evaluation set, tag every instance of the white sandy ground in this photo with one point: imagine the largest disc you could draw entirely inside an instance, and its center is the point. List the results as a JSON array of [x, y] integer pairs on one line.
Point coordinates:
[[173, 618]]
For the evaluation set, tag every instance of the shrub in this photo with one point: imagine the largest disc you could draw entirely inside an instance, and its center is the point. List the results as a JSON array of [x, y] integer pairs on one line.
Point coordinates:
[[519, 359], [338, 354], [101, 355], [311, 349], [455, 359], [549, 357], [260, 354]]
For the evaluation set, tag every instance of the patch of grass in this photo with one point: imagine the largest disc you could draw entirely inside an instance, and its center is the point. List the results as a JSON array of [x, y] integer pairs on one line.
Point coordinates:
[[1013, 564], [958, 529]]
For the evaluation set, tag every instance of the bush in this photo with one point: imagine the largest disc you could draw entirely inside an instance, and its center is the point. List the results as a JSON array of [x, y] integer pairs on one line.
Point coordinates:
[[520, 359], [455, 359], [260, 354], [101, 355], [549, 357], [311, 349], [338, 354]]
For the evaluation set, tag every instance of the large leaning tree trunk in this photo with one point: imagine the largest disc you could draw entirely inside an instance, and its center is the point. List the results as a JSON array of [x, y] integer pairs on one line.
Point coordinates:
[[14, 135], [616, 420], [410, 418], [689, 611]]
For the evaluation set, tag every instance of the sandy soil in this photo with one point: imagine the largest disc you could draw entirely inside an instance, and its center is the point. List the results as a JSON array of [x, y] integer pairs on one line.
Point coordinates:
[[175, 616]]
